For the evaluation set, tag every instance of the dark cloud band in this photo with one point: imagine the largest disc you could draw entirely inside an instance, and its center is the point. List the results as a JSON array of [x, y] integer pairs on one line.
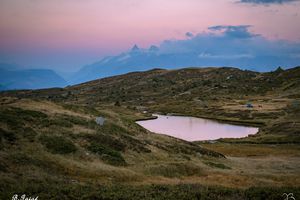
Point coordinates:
[[266, 1]]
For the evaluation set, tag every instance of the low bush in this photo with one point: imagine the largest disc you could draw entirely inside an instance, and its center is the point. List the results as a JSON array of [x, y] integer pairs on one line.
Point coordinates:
[[107, 154], [53, 189], [58, 144], [29, 134], [20, 158], [107, 140], [56, 122], [15, 117], [172, 170], [7, 135], [217, 165]]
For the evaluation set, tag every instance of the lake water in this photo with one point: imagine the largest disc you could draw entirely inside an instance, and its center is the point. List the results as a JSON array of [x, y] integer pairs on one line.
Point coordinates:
[[195, 129]]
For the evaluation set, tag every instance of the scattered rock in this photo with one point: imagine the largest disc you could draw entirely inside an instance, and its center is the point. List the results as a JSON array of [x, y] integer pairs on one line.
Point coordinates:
[[100, 120]]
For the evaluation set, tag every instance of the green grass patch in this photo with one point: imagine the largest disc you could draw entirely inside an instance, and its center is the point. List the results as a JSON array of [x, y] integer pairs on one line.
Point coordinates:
[[112, 128], [58, 144], [29, 134], [51, 188], [107, 154], [56, 122], [172, 170], [106, 140], [15, 117], [7, 135], [217, 165]]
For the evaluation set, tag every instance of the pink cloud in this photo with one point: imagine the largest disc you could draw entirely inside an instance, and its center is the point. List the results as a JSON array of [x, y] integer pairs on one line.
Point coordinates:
[[112, 25]]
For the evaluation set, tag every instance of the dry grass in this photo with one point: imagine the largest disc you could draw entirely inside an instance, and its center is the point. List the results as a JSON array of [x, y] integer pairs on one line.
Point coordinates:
[[254, 150], [246, 164], [152, 158]]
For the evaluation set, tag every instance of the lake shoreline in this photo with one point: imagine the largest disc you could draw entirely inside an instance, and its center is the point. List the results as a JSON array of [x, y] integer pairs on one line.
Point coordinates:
[[157, 124], [246, 123], [146, 118]]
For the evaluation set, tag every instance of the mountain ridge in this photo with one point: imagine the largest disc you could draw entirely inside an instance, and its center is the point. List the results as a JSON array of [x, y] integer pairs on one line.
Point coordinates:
[[138, 59], [12, 78]]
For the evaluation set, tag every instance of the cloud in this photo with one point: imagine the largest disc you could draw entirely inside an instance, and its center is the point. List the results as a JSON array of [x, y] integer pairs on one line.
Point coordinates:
[[207, 55], [234, 31], [219, 39], [236, 43], [189, 34], [266, 1], [234, 46]]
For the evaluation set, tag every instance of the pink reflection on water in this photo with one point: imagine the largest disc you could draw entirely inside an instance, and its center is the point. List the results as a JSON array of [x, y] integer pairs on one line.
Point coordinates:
[[195, 129]]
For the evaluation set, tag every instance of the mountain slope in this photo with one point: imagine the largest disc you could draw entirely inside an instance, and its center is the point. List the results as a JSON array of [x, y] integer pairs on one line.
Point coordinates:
[[30, 79], [217, 93], [205, 83], [51, 146]]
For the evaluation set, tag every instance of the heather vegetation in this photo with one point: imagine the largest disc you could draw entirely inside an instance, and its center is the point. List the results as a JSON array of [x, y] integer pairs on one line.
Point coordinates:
[[52, 147]]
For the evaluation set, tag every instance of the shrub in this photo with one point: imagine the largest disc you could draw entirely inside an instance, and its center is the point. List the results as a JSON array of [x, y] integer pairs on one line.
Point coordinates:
[[15, 117], [117, 103], [20, 158], [107, 154], [58, 144], [108, 141], [29, 134], [62, 123], [80, 121], [8, 136], [114, 129], [175, 170], [217, 165], [67, 121]]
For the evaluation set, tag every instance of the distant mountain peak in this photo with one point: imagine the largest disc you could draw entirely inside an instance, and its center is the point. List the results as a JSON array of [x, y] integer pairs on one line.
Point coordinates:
[[135, 48], [153, 48]]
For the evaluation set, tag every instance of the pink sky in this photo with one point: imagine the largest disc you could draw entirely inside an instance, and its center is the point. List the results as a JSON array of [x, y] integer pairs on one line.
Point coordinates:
[[72, 33]]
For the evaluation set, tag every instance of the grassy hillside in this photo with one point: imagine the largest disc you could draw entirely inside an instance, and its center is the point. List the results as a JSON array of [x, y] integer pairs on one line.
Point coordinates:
[[51, 146], [217, 93]]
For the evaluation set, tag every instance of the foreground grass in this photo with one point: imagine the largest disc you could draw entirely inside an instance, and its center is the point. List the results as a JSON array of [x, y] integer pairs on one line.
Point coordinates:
[[254, 150], [57, 151], [49, 189]]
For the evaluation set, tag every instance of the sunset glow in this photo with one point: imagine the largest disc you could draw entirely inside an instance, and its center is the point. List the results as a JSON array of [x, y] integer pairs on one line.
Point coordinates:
[[69, 34]]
